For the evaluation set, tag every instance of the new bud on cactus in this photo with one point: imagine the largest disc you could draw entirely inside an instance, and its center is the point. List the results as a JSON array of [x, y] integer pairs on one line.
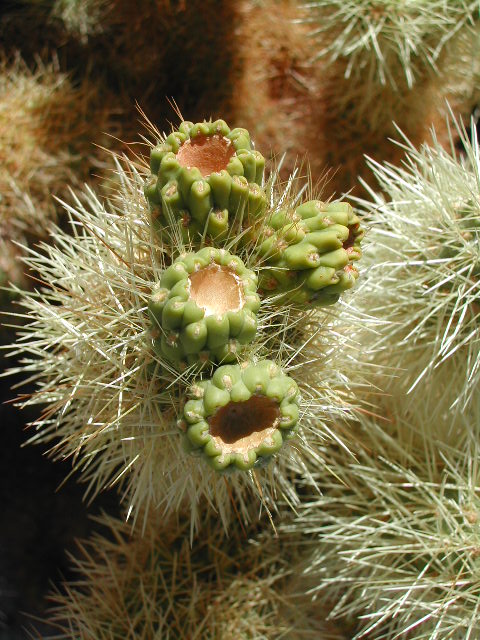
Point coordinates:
[[308, 253], [242, 415], [205, 307], [204, 176]]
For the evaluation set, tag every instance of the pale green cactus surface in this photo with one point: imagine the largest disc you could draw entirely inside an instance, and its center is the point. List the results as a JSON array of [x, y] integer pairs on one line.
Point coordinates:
[[308, 253]]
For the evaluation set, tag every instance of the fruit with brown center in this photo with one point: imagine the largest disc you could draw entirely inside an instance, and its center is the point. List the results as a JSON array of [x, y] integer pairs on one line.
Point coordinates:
[[241, 417], [204, 307], [205, 178]]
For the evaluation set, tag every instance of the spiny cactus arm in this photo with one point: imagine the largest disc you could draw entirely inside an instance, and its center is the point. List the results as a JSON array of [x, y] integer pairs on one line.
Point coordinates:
[[424, 260], [398, 537], [111, 402], [307, 254], [388, 41], [135, 587]]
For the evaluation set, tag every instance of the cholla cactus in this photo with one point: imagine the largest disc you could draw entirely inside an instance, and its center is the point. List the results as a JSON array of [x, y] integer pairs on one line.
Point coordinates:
[[388, 61], [158, 586], [383, 40], [112, 402], [395, 534], [396, 537], [44, 132], [424, 267]]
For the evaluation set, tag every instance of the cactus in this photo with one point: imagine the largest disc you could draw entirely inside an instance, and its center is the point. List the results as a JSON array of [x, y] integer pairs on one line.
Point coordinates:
[[43, 133], [115, 397], [242, 415], [308, 253], [397, 538], [384, 41], [130, 326], [206, 176], [158, 585], [425, 261], [205, 307], [384, 62]]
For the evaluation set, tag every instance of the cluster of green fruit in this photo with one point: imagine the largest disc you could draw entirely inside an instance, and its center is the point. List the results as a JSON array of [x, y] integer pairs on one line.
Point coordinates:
[[207, 188]]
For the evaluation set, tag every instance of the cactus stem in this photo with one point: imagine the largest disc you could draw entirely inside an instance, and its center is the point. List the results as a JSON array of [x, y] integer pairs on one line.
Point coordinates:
[[207, 153]]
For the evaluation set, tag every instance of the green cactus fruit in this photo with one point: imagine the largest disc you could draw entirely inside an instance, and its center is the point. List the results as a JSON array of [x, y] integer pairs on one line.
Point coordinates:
[[204, 176], [307, 254], [204, 307], [241, 416]]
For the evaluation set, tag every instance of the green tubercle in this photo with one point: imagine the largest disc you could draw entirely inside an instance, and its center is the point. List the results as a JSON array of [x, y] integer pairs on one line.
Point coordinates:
[[204, 176], [308, 253], [204, 307], [241, 416]]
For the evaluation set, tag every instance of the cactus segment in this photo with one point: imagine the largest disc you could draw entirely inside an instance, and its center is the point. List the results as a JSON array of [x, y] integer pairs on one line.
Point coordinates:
[[204, 176], [308, 254], [204, 307], [241, 416]]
